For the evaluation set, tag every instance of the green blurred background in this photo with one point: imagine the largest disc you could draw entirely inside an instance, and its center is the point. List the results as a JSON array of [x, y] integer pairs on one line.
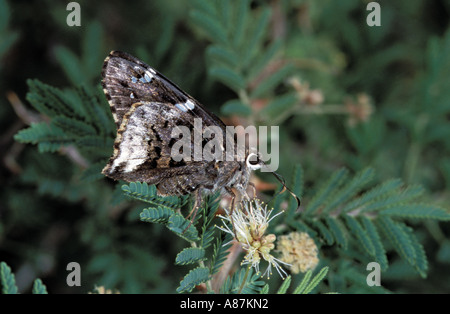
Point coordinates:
[[49, 217]]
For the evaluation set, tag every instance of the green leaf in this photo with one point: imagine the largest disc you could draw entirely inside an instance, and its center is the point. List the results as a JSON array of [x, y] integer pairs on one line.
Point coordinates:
[[349, 190], [190, 255], [223, 9], [255, 36], [263, 59], [220, 253], [223, 55], [74, 128], [7, 279], [96, 110], [165, 40], [316, 280], [421, 261], [182, 227], [304, 283], [324, 232], [91, 57], [147, 193], [297, 188], [48, 137], [380, 252], [39, 287], [210, 25], [48, 100], [235, 107], [207, 237], [338, 230], [195, 277], [232, 79], [93, 172], [360, 234], [251, 285], [419, 211], [402, 197], [400, 239], [268, 84], [383, 190], [285, 285], [71, 64], [156, 215], [326, 190], [265, 289], [279, 106], [240, 21]]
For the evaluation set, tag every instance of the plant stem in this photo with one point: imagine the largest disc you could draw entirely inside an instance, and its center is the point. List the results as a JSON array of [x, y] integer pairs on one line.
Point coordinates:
[[312, 110], [415, 149], [243, 281], [201, 264]]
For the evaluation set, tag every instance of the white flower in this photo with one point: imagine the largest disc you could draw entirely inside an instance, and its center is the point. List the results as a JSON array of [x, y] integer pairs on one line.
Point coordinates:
[[248, 226]]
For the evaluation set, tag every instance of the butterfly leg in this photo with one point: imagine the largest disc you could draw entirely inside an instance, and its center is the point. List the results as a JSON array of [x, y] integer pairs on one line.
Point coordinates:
[[253, 187], [195, 208], [233, 198]]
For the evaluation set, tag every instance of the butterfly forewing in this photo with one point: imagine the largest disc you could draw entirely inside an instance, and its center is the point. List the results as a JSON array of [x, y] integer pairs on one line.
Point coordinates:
[[147, 107], [127, 80]]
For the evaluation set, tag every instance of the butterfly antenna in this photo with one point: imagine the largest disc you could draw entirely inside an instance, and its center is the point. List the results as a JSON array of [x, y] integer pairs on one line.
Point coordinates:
[[285, 188]]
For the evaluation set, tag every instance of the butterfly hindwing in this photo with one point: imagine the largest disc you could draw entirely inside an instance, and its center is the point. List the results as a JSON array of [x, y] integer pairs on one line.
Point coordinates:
[[143, 150]]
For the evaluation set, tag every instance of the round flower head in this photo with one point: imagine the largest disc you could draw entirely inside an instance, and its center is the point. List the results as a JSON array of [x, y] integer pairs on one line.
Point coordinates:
[[248, 225], [299, 250]]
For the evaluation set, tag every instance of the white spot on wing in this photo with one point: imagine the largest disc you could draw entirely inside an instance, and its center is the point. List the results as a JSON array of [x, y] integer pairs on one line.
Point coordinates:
[[133, 146], [148, 76], [182, 107], [189, 104]]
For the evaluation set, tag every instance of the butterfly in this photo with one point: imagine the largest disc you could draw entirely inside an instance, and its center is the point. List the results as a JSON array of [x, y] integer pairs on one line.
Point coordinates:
[[147, 107]]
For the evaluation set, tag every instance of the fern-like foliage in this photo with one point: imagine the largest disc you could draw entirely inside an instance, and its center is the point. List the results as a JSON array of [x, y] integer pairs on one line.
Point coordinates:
[[243, 281], [7, 279], [307, 285], [195, 277], [78, 118], [39, 287], [8, 282], [148, 194], [220, 253], [83, 68], [166, 211], [346, 211], [190, 255], [77, 123], [240, 63]]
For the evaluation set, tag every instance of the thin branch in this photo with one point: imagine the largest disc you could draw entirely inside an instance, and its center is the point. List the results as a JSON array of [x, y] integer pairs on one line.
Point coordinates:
[[28, 117], [225, 270]]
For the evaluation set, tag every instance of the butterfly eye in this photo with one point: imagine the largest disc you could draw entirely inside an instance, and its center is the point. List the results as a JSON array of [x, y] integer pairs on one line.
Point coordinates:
[[253, 161]]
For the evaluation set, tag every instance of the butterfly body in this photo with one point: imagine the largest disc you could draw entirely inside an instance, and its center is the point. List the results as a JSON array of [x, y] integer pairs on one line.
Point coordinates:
[[146, 107]]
